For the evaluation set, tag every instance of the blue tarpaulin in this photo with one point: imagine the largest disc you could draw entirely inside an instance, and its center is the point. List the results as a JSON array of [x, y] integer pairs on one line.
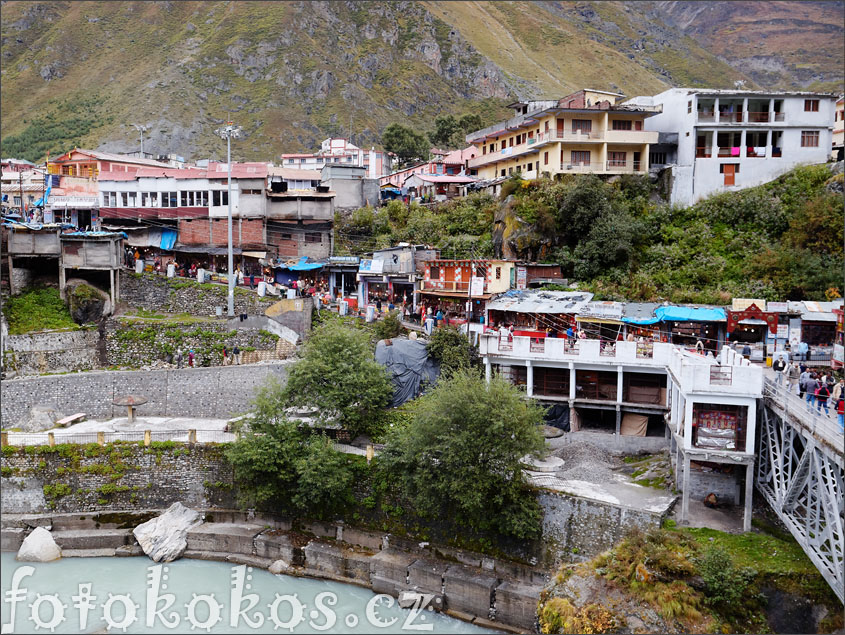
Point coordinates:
[[680, 314], [41, 202], [168, 238]]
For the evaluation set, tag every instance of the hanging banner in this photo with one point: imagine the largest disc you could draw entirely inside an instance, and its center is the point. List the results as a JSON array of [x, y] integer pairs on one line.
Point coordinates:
[[521, 277], [476, 287]]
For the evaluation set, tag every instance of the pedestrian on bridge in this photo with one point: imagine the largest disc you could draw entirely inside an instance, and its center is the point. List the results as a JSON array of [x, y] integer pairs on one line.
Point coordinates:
[[811, 387], [822, 394], [802, 382], [792, 375], [779, 366]]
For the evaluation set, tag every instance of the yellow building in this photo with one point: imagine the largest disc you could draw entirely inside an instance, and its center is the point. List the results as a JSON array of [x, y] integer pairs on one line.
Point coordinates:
[[587, 132]]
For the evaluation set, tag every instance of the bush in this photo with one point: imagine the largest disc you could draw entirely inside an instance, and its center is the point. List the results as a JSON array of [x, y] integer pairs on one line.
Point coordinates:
[[389, 326], [452, 349], [724, 583]]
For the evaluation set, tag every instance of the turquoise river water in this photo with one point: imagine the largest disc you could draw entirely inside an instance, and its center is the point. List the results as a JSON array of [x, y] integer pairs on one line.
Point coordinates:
[[135, 595]]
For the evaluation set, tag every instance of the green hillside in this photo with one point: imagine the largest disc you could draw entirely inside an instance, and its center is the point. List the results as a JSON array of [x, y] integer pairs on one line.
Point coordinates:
[[81, 73]]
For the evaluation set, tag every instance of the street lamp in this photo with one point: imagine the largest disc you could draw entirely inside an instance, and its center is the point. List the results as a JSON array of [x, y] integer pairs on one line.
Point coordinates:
[[229, 132], [142, 130]]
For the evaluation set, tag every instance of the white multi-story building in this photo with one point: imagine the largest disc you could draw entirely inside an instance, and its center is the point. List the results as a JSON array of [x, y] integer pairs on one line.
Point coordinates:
[[732, 139], [336, 150], [644, 395]]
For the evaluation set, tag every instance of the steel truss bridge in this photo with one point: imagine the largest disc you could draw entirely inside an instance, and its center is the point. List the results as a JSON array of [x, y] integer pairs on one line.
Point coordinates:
[[800, 473]]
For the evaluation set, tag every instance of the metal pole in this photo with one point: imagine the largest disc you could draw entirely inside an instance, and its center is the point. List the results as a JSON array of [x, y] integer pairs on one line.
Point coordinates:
[[141, 131], [231, 257]]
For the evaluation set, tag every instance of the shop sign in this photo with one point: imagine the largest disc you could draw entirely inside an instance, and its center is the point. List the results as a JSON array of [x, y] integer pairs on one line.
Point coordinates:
[[476, 287], [783, 331], [371, 266], [741, 304], [778, 307], [521, 277]]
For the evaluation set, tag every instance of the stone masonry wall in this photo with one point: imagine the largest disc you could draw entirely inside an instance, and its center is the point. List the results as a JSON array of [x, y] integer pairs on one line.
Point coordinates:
[[56, 351], [181, 295], [79, 478], [135, 343], [216, 392]]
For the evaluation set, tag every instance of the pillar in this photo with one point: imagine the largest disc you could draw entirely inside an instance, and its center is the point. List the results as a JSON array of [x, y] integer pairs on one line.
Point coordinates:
[[117, 286], [715, 112], [685, 493], [571, 384], [192, 437], [743, 148], [529, 378], [4, 439], [745, 109], [619, 386], [488, 369], [618, 420], [101, 438], [771, 110], [12, 290], [148, 437], [62, 280], [51, 439], [111, 289], [749, 494]]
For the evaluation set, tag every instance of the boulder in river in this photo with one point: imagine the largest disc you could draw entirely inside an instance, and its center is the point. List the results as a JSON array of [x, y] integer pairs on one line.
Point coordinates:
[[39, 546], [164, 538]]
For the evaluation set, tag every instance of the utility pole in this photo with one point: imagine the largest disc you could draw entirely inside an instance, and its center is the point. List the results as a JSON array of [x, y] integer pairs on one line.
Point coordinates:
[[141, 130], [228, 132], [20, 185]]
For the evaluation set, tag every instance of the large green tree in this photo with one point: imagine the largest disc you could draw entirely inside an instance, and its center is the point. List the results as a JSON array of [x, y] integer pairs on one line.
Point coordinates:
[[338, 376], [450, 132], [278, 465], [409, 145], [460, 456]]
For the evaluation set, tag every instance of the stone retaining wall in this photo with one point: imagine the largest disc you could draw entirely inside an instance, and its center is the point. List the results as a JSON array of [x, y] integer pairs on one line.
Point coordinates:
[[216, 392], [489, 592], [138, 342], [52, 351], [183, 295]]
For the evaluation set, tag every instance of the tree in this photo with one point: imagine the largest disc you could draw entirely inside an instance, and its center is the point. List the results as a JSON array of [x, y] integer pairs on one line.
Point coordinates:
[[452, 349], [451, 133], [409, 145], [338, 375], [460, 457]]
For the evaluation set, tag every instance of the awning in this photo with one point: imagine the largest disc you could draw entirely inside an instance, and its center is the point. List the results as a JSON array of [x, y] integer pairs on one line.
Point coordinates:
[[255, 254], [302, 265], [598, 320], [679, 314], [455, 294]]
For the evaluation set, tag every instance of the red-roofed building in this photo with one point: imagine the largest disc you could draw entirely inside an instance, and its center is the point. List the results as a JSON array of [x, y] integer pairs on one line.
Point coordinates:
[[442, 162]]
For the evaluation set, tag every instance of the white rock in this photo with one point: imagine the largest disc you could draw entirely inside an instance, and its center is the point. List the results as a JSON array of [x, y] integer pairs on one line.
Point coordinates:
[[39, 546], [279, 566], [165, 537]]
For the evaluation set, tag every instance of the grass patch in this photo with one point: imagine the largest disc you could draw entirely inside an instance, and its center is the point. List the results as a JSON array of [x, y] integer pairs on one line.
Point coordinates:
[[38, 309]]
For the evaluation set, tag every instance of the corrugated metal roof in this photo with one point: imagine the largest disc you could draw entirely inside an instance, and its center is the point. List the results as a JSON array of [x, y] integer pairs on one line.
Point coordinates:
[[294, 174], [539, 301]]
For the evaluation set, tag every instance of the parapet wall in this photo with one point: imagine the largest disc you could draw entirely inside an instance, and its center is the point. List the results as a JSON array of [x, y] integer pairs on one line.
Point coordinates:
[[217, 392], [56, 351]]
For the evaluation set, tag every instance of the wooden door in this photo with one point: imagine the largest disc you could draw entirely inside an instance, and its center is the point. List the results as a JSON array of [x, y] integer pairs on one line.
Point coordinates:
[[730, 170], [560, 128]]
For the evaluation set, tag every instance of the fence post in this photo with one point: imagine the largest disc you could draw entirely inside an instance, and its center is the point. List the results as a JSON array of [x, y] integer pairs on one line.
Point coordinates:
[[101, 438], [192, 436], [371, 452], [4, 439], [51, 439], [148, 437]]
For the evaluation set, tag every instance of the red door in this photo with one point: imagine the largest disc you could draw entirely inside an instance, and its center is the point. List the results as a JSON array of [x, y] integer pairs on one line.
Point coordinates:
[[730, 170]]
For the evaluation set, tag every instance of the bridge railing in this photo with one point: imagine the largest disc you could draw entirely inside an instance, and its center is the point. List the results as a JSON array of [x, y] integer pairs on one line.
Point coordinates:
[[821, 425]]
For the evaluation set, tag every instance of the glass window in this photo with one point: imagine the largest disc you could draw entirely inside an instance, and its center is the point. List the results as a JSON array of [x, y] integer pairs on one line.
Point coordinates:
[[132, 199], [617, 159], [621, 124], [124, 199], [580, 157], [582, 126], [809, 138], [434, 273], [811, 105], [313, 238], [498, 273], [174, 199]]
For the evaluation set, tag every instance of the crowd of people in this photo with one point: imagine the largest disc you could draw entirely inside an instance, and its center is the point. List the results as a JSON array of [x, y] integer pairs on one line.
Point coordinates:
[[819, 388]]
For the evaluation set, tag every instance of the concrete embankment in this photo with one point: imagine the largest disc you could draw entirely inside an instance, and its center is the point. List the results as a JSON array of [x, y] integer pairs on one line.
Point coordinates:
[[486, 591]]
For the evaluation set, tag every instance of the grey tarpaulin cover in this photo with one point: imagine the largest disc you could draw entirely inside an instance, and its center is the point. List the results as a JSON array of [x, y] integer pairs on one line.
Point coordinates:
[[409, 366]]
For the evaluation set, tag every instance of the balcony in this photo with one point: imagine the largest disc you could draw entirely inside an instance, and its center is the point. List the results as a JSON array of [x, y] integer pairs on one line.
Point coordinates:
[[634, 137], [758, 117], [731, 117], [451, 286], [703, 153], [706, 116], [618, 166]]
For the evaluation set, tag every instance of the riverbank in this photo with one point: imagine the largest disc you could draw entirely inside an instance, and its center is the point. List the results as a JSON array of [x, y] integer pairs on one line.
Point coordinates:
[[485, 591]]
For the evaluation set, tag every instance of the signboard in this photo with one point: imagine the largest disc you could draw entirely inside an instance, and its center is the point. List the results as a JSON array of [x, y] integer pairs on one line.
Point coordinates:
[[794, 330], [371, 266], [783, 331], [521, 277], [740, 304], [778, 307], [48, 216], [79, 202], [476, 287]]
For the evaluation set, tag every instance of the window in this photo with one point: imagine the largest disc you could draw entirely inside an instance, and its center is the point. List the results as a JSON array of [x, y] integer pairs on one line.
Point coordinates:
[[483, 149], [498, 273], [617, 159], [184, 199], [302, 161], [689, 106], [286, 236], [811, 105], [510, 171], [131, 199], [657, 158], [434, 273], [313, 238], [621, 124], [219, 197], [638, 125], [545, 158], [290, 160], [580, 157], [582, 126], [174, 199], [203, 201], [503, 171], [809, 138], [109, 199], [145, 199]]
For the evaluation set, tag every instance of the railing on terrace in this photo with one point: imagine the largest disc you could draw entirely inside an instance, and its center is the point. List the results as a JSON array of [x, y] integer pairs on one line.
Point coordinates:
[[731, 117], [758, 116], [448, 285], [706, 115], [824, 426], [607, 349], [645, 350], [537, 345], [703, 153]]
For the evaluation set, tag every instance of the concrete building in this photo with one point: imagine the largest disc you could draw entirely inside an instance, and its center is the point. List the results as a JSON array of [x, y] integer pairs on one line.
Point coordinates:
[[74, 196], [340, 151], [839, 130], [351, 184], [729, 139], [300, 213], [590, 131], [647, 395], [394, 274]]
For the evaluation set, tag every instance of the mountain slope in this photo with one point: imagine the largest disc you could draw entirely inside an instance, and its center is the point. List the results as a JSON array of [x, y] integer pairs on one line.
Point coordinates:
[[81, 73]]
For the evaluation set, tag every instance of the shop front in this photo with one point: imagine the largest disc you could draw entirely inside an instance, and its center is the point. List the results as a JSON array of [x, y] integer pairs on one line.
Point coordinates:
[[750, 325]]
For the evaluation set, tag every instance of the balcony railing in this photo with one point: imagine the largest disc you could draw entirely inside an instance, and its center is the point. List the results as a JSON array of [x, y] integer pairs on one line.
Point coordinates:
[[731, 117], [729, 151], [537, 345], [721, 375], [703, 153], [758, 116], [706, 115]]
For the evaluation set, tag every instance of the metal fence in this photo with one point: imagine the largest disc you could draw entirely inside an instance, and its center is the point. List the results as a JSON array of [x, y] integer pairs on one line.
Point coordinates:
[[809, 415], [143, 437]]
